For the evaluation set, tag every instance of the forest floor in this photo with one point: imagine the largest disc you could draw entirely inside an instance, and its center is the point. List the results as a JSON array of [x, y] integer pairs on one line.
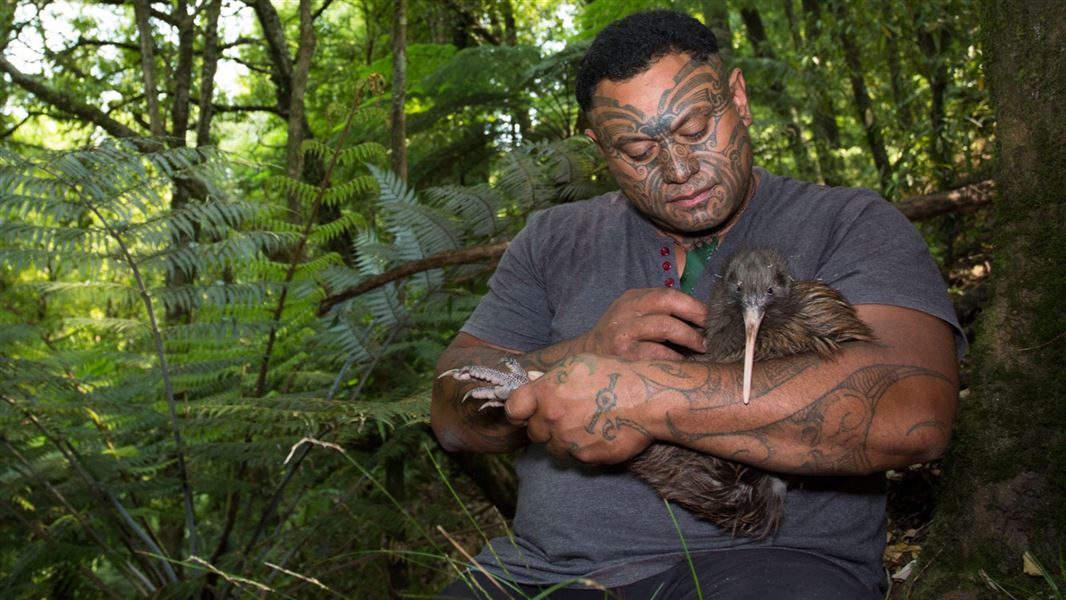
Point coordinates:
[[911, 504]]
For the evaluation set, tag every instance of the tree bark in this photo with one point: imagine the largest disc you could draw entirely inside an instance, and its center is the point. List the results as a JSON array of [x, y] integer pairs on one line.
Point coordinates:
[[895, 69], [823, 119], [398, 131], [151, 87], [182, 75], [863, 104], [66, 103], [961, 200], [756, 34], [277, 50], [207, 74], [305, 50], [1002, 488]]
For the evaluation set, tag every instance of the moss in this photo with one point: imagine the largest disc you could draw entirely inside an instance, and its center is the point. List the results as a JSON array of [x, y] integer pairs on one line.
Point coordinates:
[[1002, 492]]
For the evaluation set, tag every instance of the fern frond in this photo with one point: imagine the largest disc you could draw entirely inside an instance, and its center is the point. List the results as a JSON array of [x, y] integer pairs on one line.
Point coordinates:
[[305, 192], [55, 238], [430, 229], [196, 296], [350, 156], [393, 189], [477, 207], [328, 232], [343, 193], [384, 303], [218, 255], [523, 179]]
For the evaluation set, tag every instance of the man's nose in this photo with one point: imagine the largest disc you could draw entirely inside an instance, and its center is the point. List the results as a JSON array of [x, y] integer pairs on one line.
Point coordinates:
[[677, 164]]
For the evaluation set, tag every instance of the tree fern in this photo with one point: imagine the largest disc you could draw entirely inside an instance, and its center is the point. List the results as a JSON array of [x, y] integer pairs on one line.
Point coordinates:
[[127, 432]]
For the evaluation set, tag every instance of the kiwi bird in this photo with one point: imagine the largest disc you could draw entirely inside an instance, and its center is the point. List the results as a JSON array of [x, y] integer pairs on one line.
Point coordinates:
[[756, 312]]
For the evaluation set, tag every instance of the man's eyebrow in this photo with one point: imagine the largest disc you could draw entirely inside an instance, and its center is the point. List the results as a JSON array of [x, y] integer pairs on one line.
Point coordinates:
[[628, 136]]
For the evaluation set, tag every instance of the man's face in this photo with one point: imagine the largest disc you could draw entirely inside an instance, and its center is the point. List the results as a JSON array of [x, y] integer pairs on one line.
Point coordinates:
[[676, 140]]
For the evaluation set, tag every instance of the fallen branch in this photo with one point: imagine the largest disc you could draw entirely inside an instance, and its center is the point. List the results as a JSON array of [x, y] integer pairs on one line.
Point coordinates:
[[966, 198], [444, 259], [963, 199]]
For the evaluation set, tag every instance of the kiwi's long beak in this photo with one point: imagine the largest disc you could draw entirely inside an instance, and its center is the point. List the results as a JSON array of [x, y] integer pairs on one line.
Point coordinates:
[[752, 318]]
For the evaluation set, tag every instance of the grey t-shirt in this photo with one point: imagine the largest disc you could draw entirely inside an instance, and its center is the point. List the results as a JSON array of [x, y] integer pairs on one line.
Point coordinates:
[[563, 271]]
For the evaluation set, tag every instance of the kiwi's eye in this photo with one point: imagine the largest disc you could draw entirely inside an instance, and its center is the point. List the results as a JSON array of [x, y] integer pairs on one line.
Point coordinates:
[[740, 288], [770, 290]]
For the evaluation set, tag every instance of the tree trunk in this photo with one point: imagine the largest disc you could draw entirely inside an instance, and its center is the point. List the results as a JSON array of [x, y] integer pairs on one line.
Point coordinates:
[[207, 77], [895, 69], [398, 132], [756, 34], [863, 104], [151, 87], [823, 120], [935, 71], [1002, 490], [716, 18], [294, 158], [182, 75]]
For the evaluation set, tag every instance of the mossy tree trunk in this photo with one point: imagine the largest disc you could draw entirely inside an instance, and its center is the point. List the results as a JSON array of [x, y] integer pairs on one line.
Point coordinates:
[[1002, 493]]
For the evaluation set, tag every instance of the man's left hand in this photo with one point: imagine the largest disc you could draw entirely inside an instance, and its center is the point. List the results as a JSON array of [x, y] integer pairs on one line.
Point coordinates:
[[586, 406]]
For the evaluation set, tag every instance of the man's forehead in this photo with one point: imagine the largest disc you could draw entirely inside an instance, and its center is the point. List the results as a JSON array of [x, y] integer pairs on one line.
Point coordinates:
[[667, 81]]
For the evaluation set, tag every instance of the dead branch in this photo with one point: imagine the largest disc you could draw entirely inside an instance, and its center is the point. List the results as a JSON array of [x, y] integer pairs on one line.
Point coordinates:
[[444, 259], [964, 199]]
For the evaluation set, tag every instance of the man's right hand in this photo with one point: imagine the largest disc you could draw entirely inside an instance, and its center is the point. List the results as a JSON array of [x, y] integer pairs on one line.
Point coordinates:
[[638, 322]]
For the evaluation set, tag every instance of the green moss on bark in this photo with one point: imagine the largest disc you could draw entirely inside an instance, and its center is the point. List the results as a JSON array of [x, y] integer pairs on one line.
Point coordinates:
[[1004, 477]]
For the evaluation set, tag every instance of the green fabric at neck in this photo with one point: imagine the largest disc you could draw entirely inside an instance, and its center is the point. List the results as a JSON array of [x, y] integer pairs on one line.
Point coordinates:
[[695, 261]]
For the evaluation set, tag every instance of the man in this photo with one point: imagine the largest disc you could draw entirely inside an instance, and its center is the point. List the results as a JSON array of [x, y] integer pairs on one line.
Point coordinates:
[[587, 293]]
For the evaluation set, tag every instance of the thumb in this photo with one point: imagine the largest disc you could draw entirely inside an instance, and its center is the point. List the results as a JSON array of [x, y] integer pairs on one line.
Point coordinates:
[[520, 406]]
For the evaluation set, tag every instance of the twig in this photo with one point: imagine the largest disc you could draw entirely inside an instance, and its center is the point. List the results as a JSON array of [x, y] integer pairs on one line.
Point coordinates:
[[311, 440], [86, 527], [914, 208], [157, 339], [310, 580], [234, 579], [929, 563], [1047, 343]]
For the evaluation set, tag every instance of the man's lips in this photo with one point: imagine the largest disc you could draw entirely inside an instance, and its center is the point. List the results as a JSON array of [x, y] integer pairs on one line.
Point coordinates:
[[693, 199]]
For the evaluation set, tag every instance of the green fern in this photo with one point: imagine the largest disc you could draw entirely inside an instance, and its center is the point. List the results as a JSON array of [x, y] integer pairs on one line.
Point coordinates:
[[158, 363]]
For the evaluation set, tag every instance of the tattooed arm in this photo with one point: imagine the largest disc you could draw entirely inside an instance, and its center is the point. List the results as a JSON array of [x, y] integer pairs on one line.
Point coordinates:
[[873, 407], [633, 327]]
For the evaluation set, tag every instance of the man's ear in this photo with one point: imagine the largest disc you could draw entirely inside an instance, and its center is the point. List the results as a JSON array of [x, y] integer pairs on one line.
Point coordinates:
[[590, 134], [740, 96]]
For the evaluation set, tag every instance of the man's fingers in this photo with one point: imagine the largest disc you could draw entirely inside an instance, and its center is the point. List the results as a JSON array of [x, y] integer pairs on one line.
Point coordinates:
[[538, 431], [520, 406], [558, 450], [653, 351], [664, 328], [670, 302]]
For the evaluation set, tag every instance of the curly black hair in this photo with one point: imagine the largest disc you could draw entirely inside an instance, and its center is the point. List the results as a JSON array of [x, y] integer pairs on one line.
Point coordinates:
[[629, 45]]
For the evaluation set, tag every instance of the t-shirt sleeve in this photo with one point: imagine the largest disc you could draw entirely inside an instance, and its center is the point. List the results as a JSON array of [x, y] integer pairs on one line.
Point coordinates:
[[515, 312], [880, 258]]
